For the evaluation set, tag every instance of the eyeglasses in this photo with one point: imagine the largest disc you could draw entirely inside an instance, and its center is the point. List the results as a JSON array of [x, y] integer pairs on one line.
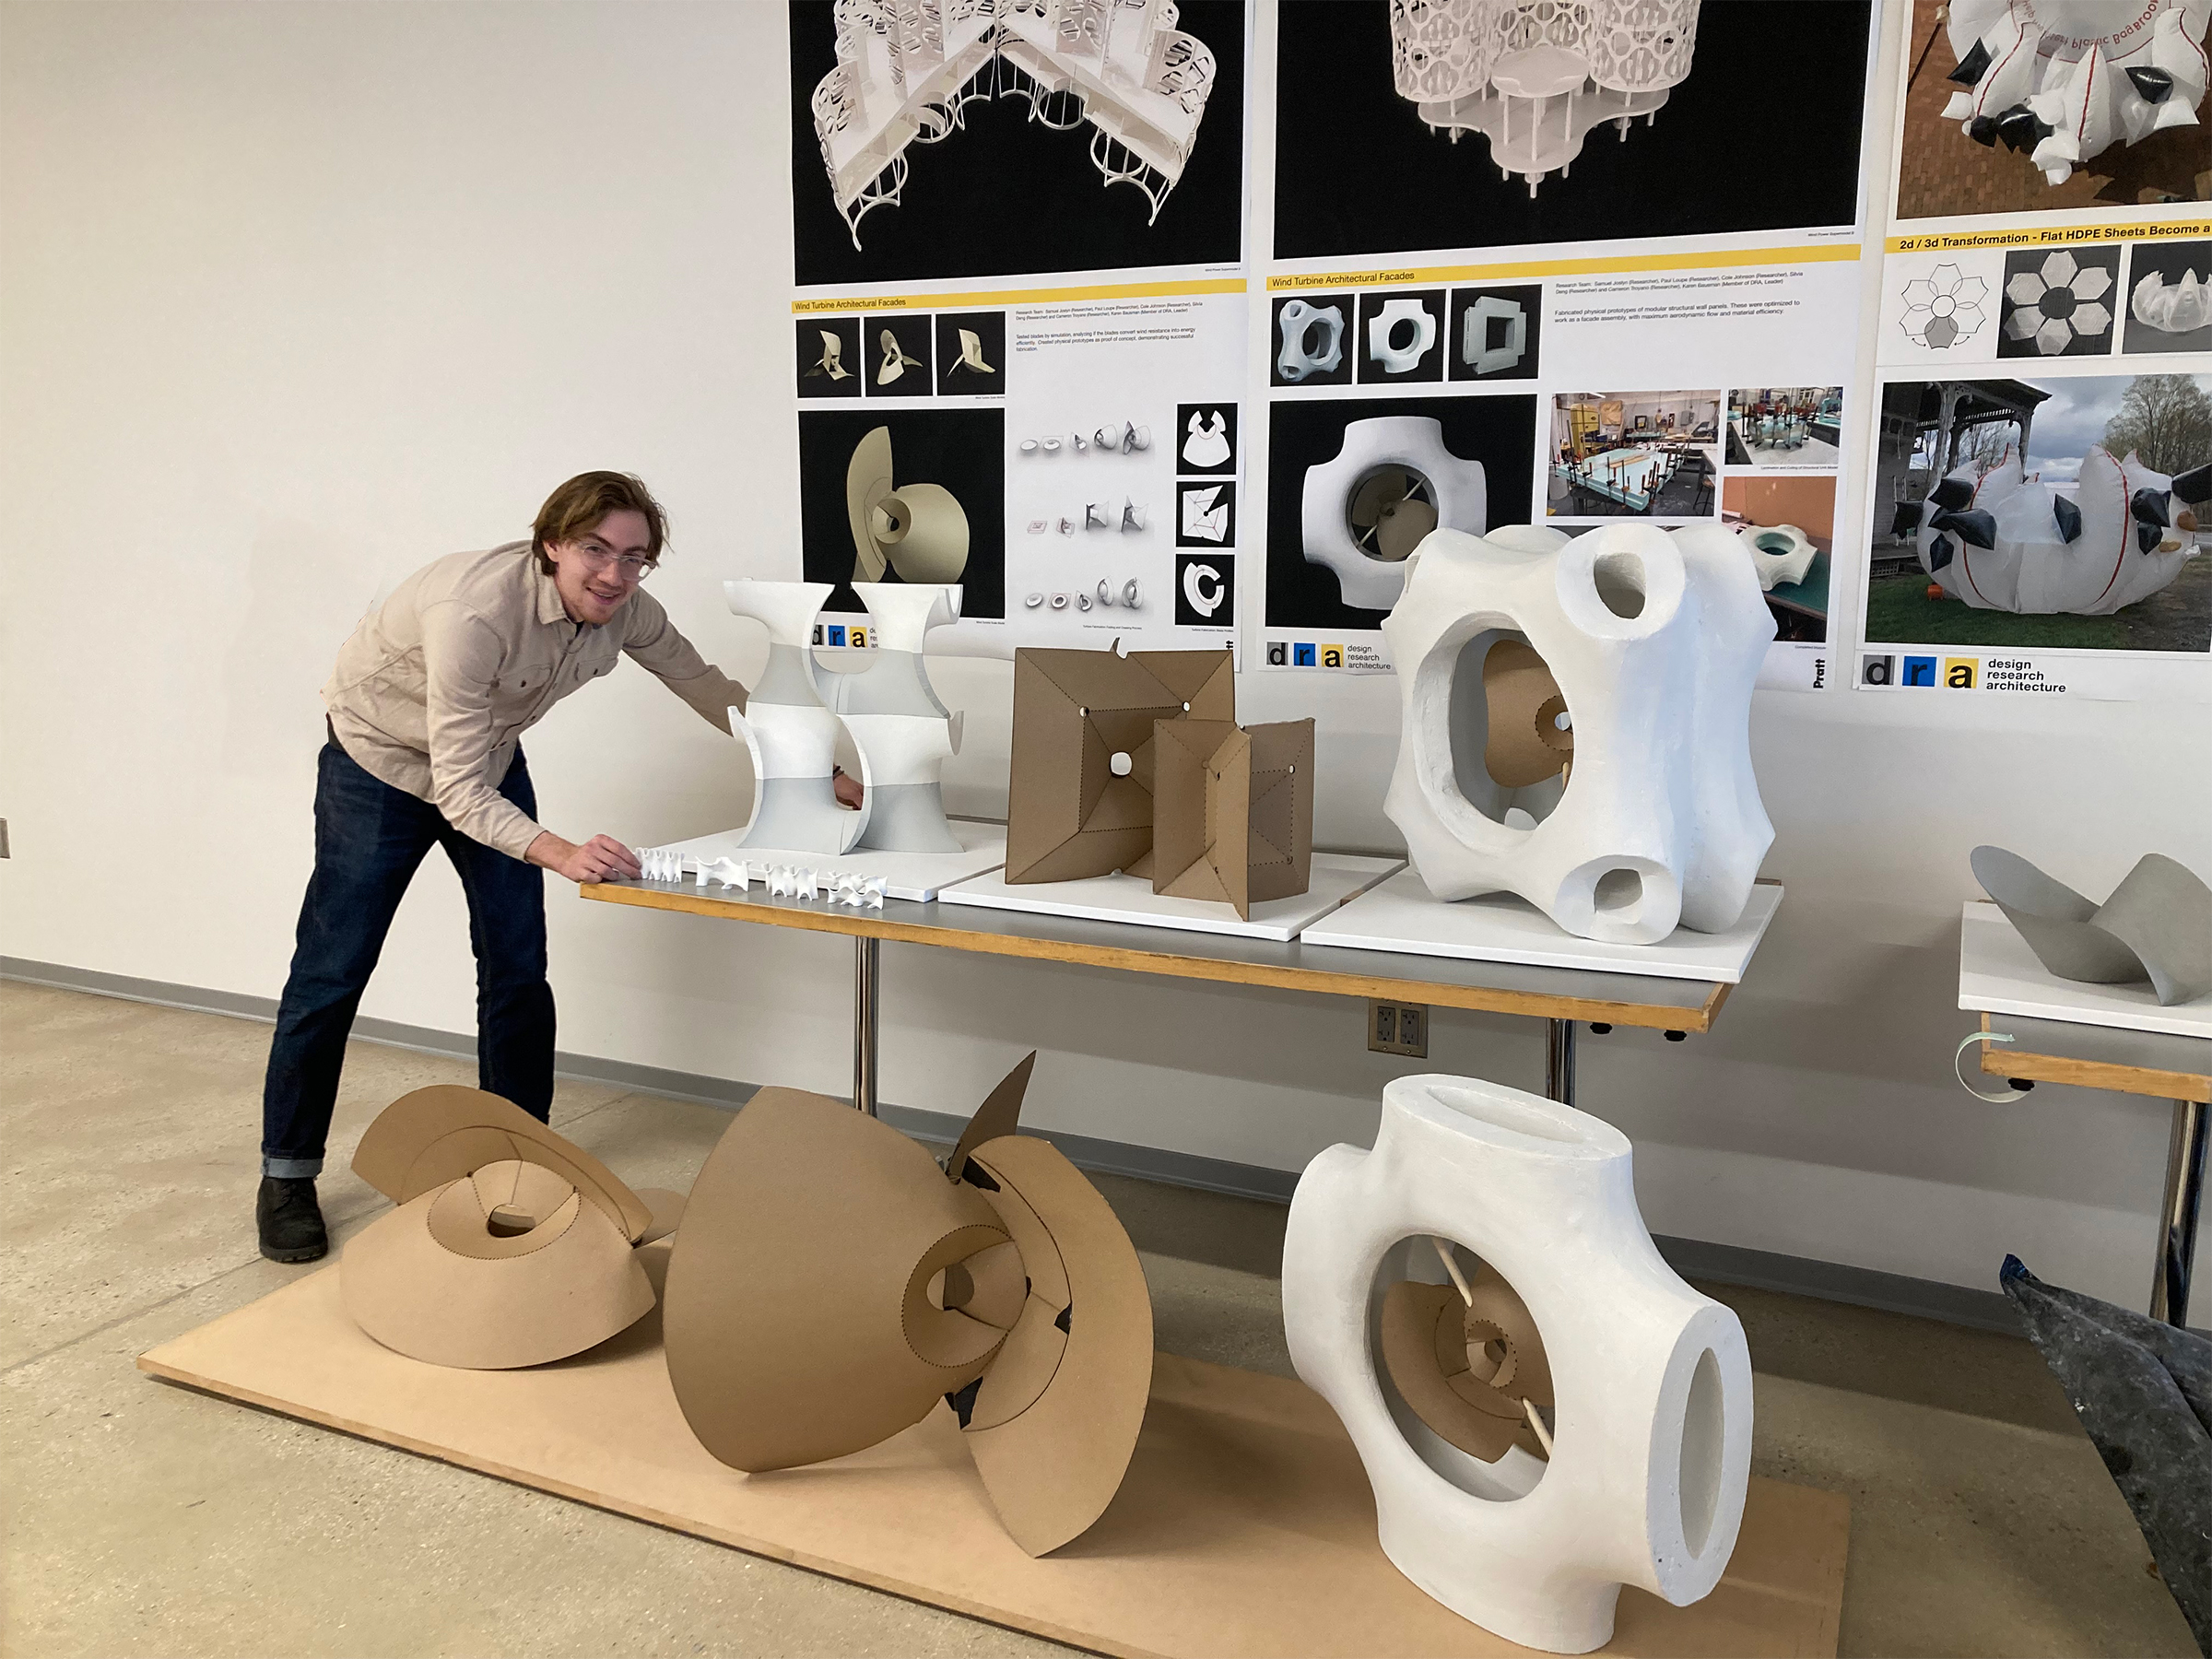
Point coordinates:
[[629, 565]]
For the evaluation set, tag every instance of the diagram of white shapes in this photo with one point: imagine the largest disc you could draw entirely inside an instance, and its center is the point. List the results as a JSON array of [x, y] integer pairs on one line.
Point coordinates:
[[906, 69], [1944, 308], [1575, 724], [1208, 444], [2178, 309], [2060, 301], [2066, 79], [788, 728], [1362, 513], [1640, 1476], [1536, 79], [903, 732], [1205, 514]]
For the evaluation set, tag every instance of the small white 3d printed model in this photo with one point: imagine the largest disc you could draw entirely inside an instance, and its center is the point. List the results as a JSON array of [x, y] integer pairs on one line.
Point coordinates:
[[2066, 79], [1300, 324], [1400, 354], [1647, 1457], [2001, 540], [1780, 553], [1475, 348], [1363, 514], [906, 69], [2178, 308], [1645, 813], [1535, 76]]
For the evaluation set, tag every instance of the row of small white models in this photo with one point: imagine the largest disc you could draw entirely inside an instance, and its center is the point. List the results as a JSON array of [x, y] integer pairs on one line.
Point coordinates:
[[2001, 540], [1493, 336], [2066, 79]]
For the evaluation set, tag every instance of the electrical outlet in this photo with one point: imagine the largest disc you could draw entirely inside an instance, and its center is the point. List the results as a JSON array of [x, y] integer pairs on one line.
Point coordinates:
[[1398, 1029]]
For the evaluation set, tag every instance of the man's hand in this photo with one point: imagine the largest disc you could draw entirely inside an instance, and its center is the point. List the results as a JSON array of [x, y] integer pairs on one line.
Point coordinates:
[[599, 859]]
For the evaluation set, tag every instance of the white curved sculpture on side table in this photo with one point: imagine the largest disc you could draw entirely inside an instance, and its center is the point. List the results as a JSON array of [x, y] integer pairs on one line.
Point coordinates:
[[789, 729], [901, 730], [1645, 814], [1651, 1383]]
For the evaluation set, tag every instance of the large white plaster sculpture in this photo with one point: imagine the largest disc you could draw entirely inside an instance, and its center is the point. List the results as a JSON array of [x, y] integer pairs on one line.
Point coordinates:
[[2002, 540], [906, 69], [2180, 307], [904, 733], [1535, 76], [1780, 553], [1575, 724], [1650, 1383], [1362, 513], [789, 728], [2066, 79]]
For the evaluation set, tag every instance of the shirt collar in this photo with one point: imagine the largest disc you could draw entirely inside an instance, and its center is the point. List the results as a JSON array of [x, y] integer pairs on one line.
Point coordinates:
[[550, 608]]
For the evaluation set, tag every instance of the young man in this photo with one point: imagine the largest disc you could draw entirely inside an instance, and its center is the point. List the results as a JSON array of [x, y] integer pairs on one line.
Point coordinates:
[[430, 698]]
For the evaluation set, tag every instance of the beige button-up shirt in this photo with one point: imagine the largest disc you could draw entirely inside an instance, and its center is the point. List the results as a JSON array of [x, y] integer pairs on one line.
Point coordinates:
[[438, 685]]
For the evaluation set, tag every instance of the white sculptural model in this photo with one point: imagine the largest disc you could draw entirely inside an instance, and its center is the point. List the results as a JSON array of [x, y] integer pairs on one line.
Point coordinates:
[[2181, 306], [1312, 339], [1575, 724], [906, 69], [789, 728], [1362, 513], [2066, 79], [903, 734], [2002, 540], [1780, 553], [1638, 1477], [1536, 79]]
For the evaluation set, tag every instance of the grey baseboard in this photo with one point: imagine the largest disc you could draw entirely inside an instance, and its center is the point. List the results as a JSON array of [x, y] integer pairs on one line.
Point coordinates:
[[1692, 1258]]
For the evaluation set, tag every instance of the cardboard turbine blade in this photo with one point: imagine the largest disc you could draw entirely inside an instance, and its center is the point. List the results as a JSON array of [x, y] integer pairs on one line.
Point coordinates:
[[999, 1114], [439, 1133], [1526, 743], [831, 1285], [1070, 813], [1232, 810]]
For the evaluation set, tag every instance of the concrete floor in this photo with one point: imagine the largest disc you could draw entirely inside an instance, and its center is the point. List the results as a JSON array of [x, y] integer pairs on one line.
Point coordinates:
[[146, 1519]]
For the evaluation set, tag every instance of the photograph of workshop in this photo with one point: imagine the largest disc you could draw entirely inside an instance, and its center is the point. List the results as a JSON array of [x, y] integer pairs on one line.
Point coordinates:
[[1785, 426], [1646, 454]]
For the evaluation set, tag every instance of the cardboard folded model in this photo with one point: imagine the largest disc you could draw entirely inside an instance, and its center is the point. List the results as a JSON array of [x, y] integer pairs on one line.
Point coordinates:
[[1232, 810], [511, 1246], [832, 1284], [1080, 800]]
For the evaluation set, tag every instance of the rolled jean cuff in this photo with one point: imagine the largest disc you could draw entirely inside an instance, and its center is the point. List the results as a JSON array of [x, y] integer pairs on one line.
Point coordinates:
[[290, 1169]]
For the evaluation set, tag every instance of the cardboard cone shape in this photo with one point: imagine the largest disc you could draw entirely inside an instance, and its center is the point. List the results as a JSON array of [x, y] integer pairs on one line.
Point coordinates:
[[1080, 800], [831, 1284], [1232, 810], [1464, 1368]]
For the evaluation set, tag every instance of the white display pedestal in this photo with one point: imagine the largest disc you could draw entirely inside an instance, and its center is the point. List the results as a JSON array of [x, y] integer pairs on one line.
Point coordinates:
[[1337, 876], [1999, 974], [917, 875], [1401, 914]]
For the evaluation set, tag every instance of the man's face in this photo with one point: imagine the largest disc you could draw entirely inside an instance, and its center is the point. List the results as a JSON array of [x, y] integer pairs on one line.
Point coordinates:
[[597, 571]]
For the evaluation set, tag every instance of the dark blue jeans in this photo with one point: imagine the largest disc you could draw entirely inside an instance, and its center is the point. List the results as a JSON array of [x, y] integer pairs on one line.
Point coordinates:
[[370, 839]]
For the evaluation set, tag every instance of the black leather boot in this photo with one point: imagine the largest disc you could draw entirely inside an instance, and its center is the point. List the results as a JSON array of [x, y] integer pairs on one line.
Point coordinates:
[[291, 1221]]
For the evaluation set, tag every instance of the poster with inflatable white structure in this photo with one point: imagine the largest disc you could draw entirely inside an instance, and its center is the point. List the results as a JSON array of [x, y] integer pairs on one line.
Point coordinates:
[[1552, 284], [2041, 440]]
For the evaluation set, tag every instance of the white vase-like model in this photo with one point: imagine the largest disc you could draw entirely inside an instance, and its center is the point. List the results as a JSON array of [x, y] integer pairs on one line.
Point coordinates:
[[1364, 510], [1654, 640], [1651, 1383], [1780, 553], [2002, 539], [789, 728], [904, 733]]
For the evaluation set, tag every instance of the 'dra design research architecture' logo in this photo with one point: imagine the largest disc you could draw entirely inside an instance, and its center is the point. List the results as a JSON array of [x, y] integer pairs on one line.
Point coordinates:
[[1206, 590]]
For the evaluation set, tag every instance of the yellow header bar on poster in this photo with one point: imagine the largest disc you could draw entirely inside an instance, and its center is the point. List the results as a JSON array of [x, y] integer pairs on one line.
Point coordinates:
[[1702, 260], [2046, 236], [1044, 296]]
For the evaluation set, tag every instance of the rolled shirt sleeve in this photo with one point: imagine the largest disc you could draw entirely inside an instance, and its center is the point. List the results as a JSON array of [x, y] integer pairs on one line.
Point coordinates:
[[461, 659], [653, 643]]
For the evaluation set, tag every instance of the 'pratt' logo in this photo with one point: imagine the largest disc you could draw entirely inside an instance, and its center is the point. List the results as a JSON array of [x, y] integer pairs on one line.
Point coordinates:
[[1206, 590]]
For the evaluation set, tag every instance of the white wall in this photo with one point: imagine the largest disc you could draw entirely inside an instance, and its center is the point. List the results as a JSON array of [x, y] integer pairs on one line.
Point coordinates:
[[294, 298]]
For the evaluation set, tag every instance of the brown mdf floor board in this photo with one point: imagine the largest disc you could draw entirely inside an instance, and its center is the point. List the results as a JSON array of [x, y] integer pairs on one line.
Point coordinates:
[[1245, 1525]]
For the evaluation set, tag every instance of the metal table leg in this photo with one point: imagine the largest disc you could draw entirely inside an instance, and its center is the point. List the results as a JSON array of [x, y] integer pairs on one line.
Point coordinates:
[[2178, 1215], [867, 978], [1559, 1061]]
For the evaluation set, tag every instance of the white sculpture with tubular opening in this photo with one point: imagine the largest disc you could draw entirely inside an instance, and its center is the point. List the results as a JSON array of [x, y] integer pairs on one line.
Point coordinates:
[[1649, 1383]]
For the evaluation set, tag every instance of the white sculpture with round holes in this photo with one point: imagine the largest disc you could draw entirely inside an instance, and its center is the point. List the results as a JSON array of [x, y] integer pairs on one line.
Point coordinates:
[[1649, 1382], [1363, 512], [1781, 554], [1575, 724], [901, 728], [789, 728]]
